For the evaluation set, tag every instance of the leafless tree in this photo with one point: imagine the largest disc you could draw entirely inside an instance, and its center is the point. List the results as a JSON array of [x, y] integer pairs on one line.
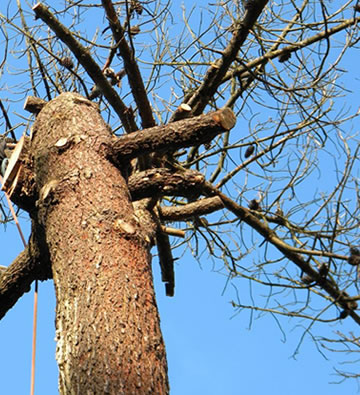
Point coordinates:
[[274, 199]]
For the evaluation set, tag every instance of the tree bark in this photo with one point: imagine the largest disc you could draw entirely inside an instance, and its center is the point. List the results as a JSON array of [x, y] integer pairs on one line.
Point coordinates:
[[107, 324], [166, 138]]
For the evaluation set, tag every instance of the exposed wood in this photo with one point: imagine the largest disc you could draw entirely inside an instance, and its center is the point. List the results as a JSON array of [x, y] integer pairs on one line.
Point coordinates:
[[225, 118], [182, 112], [184, 108], [20, 183], [34, 104], [23, 191]]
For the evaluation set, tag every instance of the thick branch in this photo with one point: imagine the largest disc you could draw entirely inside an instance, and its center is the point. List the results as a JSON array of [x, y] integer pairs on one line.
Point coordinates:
[[15, 281], [34, 104], [180, 134], [82, 54], [200, 207], [31, 264], [161, 182], [132, 70]]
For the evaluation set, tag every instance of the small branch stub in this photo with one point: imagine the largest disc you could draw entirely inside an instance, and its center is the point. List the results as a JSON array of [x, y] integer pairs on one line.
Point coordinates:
[[225, 118], [34, 104], [172, 231]]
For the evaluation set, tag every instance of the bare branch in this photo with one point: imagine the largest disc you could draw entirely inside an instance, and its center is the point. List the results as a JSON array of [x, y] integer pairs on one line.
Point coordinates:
[[217, 71], [131, 66], [339, 297], [82, 54]]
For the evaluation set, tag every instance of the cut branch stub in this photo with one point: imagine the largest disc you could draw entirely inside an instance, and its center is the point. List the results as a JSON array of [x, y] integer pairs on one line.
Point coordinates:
[[34, 104], [225, 118], [184, 133]]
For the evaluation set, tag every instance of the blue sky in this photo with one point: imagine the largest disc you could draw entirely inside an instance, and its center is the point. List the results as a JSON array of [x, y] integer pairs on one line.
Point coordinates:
[[210, 350]]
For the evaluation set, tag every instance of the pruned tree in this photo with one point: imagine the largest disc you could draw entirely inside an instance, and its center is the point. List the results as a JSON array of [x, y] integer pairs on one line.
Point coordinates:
[[131, 144]]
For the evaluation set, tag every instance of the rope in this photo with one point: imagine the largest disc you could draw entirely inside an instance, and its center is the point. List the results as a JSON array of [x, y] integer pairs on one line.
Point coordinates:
[[32, 383]]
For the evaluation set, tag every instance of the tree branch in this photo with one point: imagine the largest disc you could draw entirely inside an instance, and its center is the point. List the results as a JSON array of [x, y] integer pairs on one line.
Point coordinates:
[[160, 182], [200, 207], [180, 134], [339, 297], [132, 70], [166, 261], [218, 69], [31, 264], [82, 54], [272, 54]]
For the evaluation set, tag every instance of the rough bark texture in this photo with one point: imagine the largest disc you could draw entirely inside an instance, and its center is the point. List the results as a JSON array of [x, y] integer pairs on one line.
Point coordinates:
[[160, 182], [200, 207], [162, 139], [107, 323], [34, 193]]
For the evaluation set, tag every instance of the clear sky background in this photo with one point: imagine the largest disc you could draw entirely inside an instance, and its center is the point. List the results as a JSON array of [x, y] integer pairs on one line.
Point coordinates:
[[210, 349]]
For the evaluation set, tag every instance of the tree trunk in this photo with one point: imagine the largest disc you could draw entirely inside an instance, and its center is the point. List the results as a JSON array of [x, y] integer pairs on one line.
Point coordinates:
[[107, 324]]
